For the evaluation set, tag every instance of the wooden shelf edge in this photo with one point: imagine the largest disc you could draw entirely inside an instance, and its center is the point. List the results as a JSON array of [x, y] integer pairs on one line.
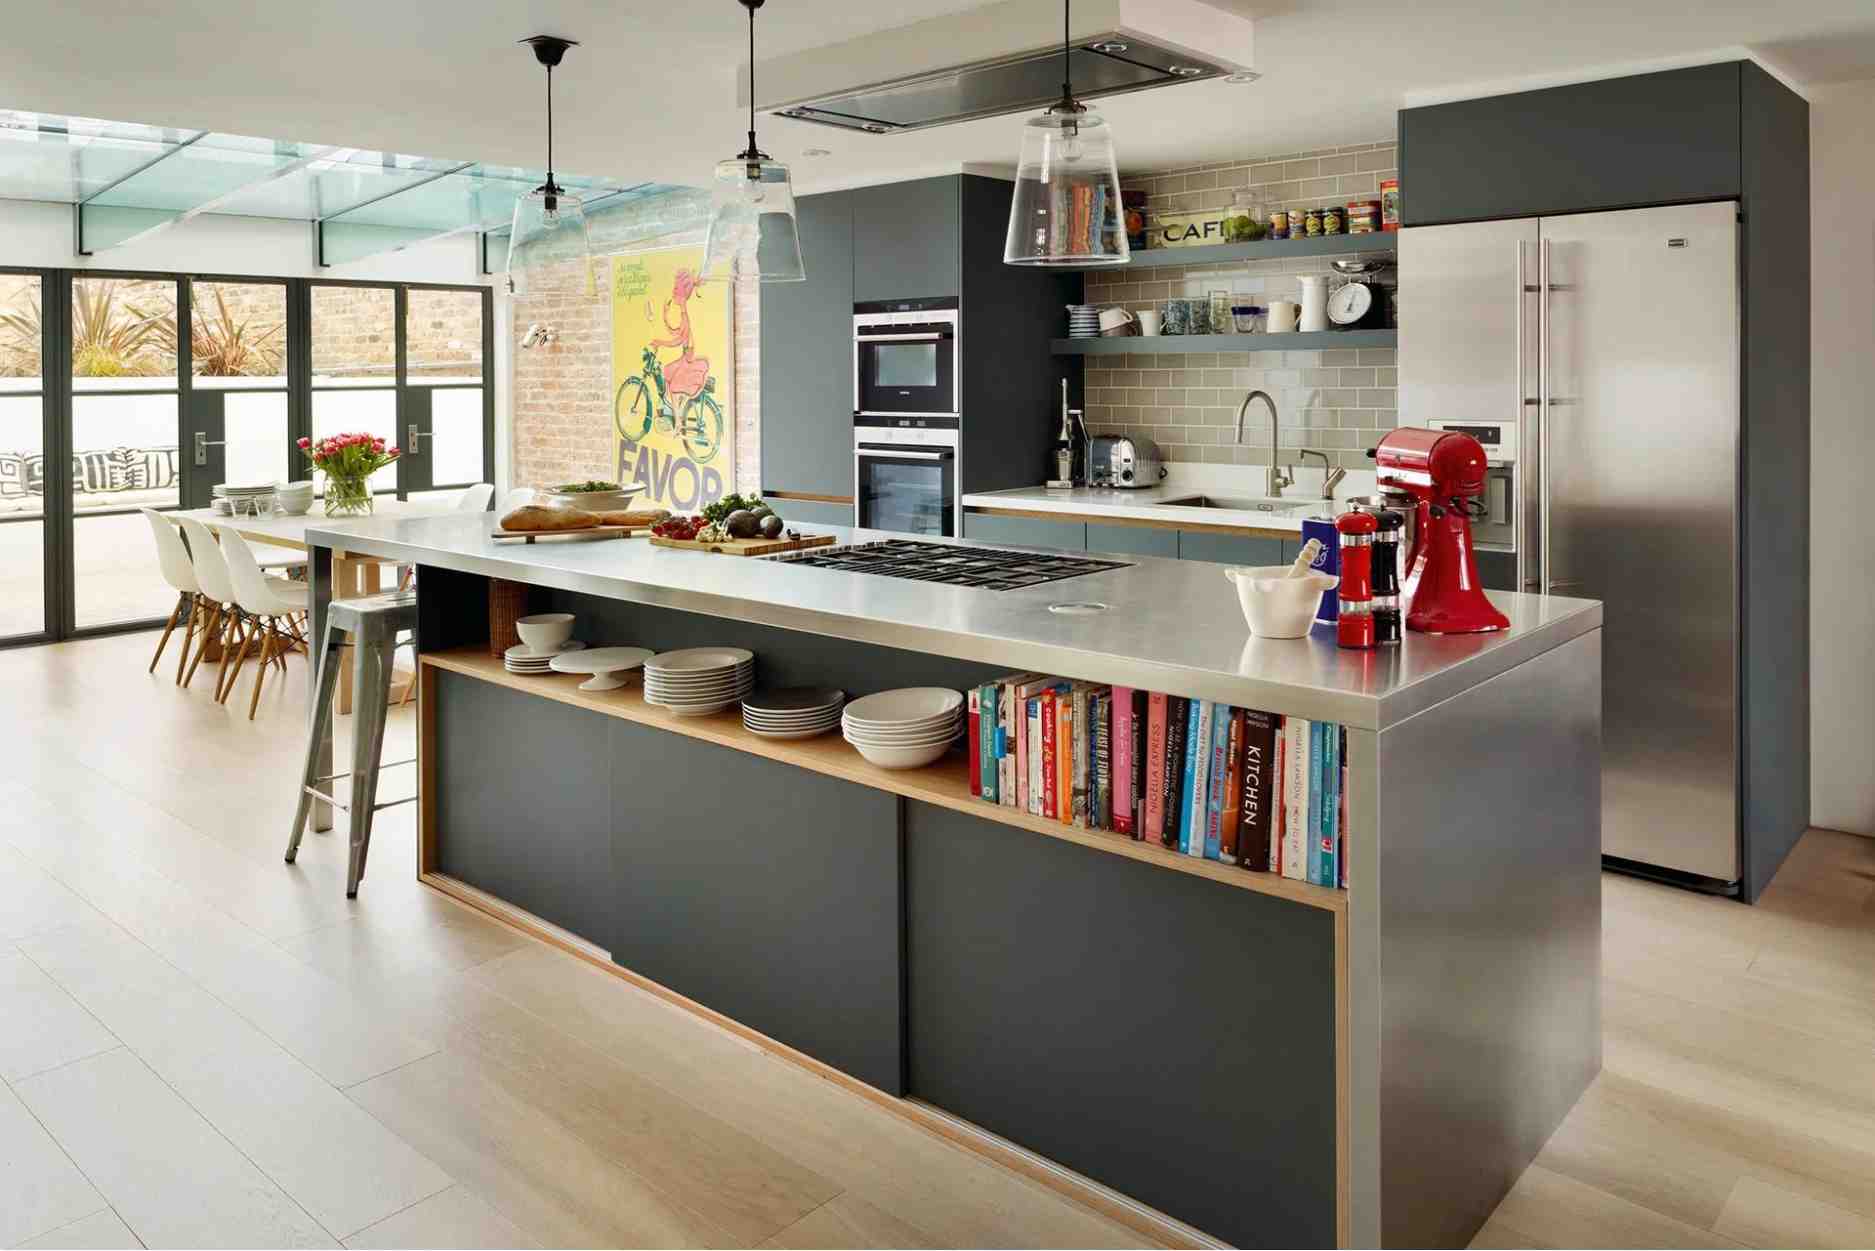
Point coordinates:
[[943, 784], [1187, 344]]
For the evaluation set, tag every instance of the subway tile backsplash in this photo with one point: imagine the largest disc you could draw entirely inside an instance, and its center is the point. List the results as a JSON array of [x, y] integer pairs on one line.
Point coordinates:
[[1339, 401]]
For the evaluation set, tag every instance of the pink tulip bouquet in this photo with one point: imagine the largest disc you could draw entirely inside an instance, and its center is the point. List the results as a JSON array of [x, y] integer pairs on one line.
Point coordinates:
[[348, 461]]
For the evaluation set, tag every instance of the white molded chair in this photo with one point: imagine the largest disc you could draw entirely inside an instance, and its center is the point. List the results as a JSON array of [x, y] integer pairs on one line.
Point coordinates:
[[225, 623], [271, 605], [172, 557], [475, 499]]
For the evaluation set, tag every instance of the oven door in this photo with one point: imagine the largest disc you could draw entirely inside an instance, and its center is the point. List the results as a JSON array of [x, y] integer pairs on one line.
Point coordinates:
[[905, 369], [912, 490]]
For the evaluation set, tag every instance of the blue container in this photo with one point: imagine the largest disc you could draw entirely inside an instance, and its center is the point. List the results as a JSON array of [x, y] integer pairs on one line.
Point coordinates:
[[1329, 561]]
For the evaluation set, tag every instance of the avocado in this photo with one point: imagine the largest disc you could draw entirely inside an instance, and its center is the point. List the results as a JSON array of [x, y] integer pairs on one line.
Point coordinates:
[[741, 524], [771, 526]]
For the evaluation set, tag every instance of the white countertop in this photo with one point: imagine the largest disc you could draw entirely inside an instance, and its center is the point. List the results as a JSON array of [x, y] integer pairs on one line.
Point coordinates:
[[1150, 503], [1165, 625]]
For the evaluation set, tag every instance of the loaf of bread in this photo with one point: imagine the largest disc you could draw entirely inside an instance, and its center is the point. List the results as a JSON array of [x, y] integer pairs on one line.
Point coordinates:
[[534, 519], [631, 517]]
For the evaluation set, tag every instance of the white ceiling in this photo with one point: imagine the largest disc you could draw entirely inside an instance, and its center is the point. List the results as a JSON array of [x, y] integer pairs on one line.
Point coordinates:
[[650, 94]]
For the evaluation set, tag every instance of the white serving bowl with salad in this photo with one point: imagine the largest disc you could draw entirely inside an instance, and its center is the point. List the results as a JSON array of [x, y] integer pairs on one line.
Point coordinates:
[[592, 497]]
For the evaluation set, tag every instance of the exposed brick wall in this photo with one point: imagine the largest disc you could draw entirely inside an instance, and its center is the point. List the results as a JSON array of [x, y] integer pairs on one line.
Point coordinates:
[[562, 401]]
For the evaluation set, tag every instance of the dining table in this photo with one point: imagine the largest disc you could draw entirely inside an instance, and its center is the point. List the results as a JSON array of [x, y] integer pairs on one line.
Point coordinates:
[[352, 574]]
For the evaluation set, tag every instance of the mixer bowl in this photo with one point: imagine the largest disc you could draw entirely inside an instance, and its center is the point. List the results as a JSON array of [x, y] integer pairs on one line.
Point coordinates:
[[1275, 605]]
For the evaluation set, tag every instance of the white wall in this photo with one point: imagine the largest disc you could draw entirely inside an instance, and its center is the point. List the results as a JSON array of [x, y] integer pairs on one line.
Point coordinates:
[[40, 235], [1842, 433]]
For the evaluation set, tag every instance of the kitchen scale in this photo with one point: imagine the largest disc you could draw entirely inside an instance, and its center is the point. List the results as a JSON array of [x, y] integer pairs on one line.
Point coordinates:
[[1357, 303]]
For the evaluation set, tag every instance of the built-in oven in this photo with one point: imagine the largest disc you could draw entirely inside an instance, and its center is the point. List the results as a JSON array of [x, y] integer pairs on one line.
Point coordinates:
[[1494, 529], [905, 474], [905, 357]]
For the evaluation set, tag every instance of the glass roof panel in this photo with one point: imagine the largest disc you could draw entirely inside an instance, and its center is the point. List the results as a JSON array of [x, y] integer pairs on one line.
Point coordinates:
[[68, 159], [335, 183], [211, 167], [480, 197]]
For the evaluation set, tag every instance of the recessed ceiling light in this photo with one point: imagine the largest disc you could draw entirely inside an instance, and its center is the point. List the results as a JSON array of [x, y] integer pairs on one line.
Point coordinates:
[[1108, 45], [816, 152], [1185, 71], [1242, 76]]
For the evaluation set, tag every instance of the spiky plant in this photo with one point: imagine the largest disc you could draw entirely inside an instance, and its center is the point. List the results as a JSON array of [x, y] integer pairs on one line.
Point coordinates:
[[221, 347]]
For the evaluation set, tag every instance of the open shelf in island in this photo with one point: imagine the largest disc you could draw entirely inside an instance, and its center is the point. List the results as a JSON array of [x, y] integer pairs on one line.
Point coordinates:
[[945, 784]]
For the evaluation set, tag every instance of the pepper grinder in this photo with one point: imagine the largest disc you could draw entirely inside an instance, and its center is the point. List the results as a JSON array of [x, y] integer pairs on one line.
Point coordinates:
[[1354, 624], [1386, 576]]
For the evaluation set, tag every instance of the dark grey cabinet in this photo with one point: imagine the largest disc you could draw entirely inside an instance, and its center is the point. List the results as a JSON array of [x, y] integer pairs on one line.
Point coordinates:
[[907, 240], [807, 365], [1229, 549], [812, 512], [1132, 540], [1068, 536], [1665, 138]]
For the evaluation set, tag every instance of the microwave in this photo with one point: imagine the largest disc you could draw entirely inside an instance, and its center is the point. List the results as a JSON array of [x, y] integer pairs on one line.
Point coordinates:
[[905, 358]]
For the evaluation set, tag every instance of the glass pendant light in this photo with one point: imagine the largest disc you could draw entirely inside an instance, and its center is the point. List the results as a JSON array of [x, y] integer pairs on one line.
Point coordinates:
[[752, 231], [1067, 210], [549, 248]]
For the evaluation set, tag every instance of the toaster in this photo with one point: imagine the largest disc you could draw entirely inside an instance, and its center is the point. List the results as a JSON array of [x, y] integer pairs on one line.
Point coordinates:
[[1116, 461]]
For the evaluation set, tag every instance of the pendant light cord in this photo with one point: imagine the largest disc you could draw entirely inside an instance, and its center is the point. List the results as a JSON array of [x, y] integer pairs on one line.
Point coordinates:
[[550, 126], [1067, 76]]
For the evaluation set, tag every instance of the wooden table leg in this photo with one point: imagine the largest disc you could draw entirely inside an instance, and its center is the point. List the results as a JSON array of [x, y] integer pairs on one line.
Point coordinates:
[[350, 578]]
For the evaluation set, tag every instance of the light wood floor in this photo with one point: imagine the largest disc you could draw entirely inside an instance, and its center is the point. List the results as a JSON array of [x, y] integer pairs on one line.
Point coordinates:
[[201, 1046]]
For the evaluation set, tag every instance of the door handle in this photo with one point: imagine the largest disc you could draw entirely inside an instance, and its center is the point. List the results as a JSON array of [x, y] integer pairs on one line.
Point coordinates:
[[202, 444], [415, 434], [884, 454], [1542, 409]]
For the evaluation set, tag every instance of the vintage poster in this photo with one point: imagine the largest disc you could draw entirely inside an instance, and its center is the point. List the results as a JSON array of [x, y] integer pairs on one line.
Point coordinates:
[[673, 397]]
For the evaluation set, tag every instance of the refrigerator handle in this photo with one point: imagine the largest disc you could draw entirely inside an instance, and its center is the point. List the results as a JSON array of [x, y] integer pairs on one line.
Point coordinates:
[[1542, 416], [1518, 538]]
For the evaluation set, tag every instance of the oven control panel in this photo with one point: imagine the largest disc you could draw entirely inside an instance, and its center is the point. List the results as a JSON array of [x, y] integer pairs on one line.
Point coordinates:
[[1499, 438]]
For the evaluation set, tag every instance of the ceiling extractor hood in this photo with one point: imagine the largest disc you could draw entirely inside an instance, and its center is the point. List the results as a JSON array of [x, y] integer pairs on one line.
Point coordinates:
[[1002, 58]]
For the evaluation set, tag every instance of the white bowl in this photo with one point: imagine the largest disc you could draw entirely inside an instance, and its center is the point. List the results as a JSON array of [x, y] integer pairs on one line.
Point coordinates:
[[1277, 606], [593, 501], [902, 757], [902, 733], [908, 704], [544, 632]]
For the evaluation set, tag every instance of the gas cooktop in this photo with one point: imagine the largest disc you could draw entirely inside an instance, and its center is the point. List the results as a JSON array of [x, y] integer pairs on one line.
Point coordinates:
[[988, 568]]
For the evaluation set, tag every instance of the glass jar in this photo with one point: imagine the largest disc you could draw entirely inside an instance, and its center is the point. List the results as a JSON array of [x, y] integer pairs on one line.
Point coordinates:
[[1245, 223], [1221, 322]]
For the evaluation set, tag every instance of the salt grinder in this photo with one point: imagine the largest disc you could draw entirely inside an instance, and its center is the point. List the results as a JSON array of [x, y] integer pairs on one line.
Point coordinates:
[[1354, 625]]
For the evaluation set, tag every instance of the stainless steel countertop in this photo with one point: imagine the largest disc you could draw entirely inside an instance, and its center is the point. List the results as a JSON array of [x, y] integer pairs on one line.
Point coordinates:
[[1170, 625]]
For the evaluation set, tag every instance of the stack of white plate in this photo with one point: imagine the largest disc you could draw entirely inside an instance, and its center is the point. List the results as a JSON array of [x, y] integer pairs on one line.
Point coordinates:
[[906, 728], [792, 712], [1083, 321], [699, 680], [522, 658], [241, 501]]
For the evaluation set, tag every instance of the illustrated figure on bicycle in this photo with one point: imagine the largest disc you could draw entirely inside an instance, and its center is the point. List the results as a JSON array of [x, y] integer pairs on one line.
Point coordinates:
[[679, 396]]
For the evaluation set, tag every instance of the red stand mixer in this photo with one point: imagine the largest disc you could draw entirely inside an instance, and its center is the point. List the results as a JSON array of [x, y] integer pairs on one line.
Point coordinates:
[[1444, 472]]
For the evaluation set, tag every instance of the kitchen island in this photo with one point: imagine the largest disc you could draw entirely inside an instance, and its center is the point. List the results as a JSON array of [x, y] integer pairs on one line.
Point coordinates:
[[1267, 1061]]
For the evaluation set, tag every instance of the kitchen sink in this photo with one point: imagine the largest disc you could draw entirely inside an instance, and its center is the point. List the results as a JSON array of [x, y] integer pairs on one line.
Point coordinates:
[[1242, 503]]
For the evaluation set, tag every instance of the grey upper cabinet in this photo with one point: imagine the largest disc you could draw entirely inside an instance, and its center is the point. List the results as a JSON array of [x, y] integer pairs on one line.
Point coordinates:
[[807, 366], [906, 240], [1671, 137]]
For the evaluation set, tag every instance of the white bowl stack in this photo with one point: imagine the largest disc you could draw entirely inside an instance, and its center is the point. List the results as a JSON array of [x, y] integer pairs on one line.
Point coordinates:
[[904, 729], [294, 498], [696, 681], [792, 712]]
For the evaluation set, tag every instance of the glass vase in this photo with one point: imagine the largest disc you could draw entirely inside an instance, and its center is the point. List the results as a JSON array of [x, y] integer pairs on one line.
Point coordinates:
[[348, 497]]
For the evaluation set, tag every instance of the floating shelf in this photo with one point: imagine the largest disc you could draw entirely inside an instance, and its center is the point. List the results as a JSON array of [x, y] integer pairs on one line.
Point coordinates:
[[945, 783], [1169, 344], [1261, 250]]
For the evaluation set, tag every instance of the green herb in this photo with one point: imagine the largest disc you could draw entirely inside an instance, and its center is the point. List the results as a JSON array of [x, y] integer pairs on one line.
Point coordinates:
[[714, 513], [585, 488]]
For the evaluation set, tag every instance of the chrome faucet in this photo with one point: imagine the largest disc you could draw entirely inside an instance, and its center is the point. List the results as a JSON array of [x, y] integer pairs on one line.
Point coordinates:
[[1278, 476], [1331, 474]]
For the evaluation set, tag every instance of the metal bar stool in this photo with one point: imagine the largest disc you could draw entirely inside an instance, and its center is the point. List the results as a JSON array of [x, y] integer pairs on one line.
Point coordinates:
[[370, 624]]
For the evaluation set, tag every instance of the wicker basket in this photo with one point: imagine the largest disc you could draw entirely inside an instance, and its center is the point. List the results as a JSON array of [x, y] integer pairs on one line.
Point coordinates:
[[507, 603]]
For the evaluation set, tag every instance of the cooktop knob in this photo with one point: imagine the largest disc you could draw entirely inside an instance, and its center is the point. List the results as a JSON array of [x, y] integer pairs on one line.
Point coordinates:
[[1126, 475]]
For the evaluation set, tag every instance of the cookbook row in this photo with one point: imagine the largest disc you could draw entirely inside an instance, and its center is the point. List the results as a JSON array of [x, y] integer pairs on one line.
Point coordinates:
[[1236, 785]]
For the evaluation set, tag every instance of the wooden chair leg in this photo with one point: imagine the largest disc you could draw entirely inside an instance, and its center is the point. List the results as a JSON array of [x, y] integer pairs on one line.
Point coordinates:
[[205, 634], [234, 674], [230, 635], [260, 670], [200, 613], [175, 615]]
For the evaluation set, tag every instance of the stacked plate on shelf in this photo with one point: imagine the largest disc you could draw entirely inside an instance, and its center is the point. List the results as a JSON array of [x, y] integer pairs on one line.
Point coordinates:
[[699, 680], [1083, 321], [240, 501], [524, 658], [792, 712], [906, 728]]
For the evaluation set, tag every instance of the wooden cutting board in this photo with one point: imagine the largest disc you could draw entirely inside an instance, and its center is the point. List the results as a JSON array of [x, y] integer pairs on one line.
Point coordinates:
[[747, 547], [591, 532]]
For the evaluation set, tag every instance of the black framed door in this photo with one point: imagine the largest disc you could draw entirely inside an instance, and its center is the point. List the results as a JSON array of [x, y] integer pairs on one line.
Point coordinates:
[[238, 397], [30, 306], [446, 404]]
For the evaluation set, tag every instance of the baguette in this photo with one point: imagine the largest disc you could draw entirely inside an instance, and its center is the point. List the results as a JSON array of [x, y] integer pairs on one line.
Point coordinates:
[[534, 519], [636, 517]]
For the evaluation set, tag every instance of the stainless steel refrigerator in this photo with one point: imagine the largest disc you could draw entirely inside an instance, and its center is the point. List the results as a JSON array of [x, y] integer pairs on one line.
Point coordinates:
[[1612, 339]]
